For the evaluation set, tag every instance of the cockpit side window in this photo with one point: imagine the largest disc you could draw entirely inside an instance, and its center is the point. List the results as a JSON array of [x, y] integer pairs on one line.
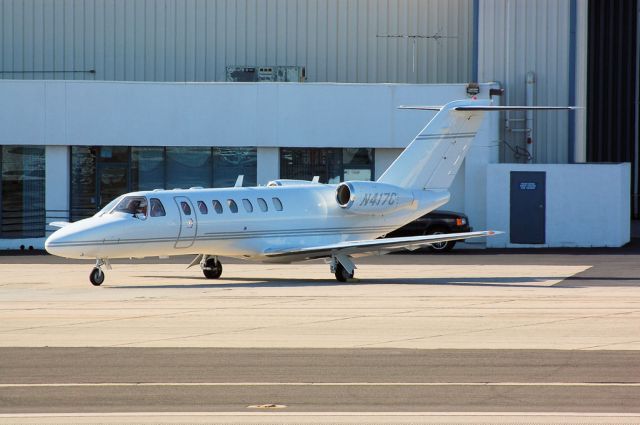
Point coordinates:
[[157, 209], [186, 209], [136, 205], [203, 208]]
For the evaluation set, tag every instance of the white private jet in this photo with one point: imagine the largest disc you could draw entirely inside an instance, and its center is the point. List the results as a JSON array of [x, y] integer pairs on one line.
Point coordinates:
[[287, 220]]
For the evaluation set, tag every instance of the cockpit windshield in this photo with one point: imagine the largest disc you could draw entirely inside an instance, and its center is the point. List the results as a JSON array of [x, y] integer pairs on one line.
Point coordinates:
[[108, 207], [136, 205]]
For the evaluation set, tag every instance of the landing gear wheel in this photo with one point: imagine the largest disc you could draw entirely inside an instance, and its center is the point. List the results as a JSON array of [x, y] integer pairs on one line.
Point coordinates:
[[341, 273], [212, 269], [96, 276]]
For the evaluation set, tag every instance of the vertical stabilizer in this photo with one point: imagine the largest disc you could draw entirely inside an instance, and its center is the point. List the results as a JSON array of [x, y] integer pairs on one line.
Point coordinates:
[[433, 158]]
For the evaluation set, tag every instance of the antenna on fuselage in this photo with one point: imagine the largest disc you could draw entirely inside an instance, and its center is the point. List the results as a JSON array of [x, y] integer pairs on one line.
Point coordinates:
[[316, 179], [239, 181]]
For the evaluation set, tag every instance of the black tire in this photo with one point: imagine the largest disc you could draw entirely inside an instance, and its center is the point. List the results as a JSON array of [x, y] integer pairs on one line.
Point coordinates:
[[96, 276], [442, 247], [341, 273], [213, 269]]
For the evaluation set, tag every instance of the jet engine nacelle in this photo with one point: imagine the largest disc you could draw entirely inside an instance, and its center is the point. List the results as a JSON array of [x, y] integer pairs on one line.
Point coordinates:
[[372, 198]]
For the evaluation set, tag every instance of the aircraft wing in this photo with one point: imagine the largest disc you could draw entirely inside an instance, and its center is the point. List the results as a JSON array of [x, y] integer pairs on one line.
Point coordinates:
[[379, 246]]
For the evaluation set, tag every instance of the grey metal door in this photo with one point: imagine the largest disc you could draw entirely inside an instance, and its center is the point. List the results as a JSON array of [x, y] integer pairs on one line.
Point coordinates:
[[528, 207]]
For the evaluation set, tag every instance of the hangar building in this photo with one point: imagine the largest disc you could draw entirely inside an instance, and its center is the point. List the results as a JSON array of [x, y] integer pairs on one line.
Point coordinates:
[[101, 97]]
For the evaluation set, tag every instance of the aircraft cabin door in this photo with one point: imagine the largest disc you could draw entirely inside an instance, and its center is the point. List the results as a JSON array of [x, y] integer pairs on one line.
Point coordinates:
[[188, 222]]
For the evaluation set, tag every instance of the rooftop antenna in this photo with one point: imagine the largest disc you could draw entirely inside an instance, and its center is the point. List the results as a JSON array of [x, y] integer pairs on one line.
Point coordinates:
[[414, 37]]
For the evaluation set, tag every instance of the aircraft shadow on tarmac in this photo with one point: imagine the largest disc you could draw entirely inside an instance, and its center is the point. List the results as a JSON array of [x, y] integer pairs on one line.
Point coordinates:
[[495, 282]]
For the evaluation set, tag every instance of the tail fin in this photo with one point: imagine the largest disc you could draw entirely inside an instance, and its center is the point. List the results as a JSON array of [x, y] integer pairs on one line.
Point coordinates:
[[435, 155], [433, 158]]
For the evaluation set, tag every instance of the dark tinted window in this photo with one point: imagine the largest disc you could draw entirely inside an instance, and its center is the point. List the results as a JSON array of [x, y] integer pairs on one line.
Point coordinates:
[[203, 207], [277, 204], [157, 209], [217, 206], [263, 205], [22, 209], [232, 205], [186, 209], [247, 205]]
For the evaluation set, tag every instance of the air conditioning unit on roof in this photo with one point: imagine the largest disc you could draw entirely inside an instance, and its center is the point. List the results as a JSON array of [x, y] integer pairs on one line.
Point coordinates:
[[248, 74]]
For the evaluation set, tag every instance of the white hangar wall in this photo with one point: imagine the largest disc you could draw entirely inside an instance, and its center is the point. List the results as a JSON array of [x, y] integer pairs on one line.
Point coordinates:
[[585, 205], [194, 40], [60, 114]]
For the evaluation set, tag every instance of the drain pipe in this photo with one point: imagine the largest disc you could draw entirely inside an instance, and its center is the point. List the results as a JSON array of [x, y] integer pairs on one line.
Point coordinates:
[[530, 101]]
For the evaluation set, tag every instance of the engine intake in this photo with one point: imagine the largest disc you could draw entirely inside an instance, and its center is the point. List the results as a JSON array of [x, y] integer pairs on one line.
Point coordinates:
[[371, 197]]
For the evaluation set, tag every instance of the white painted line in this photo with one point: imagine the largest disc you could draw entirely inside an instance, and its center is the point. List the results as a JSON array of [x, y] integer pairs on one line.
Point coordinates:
[[271, 414], [326, 384]]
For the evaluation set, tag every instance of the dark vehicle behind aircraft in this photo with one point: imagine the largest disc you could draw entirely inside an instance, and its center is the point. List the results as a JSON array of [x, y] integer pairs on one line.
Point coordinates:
[[434, 223]]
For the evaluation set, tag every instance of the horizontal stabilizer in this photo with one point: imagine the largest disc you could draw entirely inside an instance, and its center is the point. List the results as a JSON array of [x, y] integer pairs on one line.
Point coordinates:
[[494, 108]]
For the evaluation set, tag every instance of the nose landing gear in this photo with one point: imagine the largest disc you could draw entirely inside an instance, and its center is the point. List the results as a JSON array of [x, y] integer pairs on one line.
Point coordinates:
[[96, 277]]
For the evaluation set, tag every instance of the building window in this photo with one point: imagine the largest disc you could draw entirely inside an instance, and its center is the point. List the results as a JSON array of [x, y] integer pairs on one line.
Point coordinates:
[[83, 182], [188, 167], [332, 165], [101, 173], [22, 191], [147, 168], [229, 163]]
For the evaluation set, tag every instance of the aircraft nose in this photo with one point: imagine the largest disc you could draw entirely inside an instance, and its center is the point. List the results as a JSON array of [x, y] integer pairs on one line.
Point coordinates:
[[53, 244], [63, 242]]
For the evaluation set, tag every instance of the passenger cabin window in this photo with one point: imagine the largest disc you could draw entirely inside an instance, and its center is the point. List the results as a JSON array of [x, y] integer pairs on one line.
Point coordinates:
[[132, 205], [263, 205], [232, 205], [247, 205], [277, 204], [203, 208], [186, 209], [217, 206], [157, 209]]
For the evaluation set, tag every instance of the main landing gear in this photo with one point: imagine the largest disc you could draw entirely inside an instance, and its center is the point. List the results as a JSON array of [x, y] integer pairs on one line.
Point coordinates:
[[342, 266], [96, 277], [211, 267]]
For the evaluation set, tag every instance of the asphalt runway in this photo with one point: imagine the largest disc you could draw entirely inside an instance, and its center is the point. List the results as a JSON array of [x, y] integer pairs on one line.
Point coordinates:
[[551, 337], [207, 379]]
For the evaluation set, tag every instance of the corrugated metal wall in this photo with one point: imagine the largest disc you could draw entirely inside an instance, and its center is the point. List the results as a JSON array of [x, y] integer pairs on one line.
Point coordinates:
[[194, 40], [534, 35], [612, 86]]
